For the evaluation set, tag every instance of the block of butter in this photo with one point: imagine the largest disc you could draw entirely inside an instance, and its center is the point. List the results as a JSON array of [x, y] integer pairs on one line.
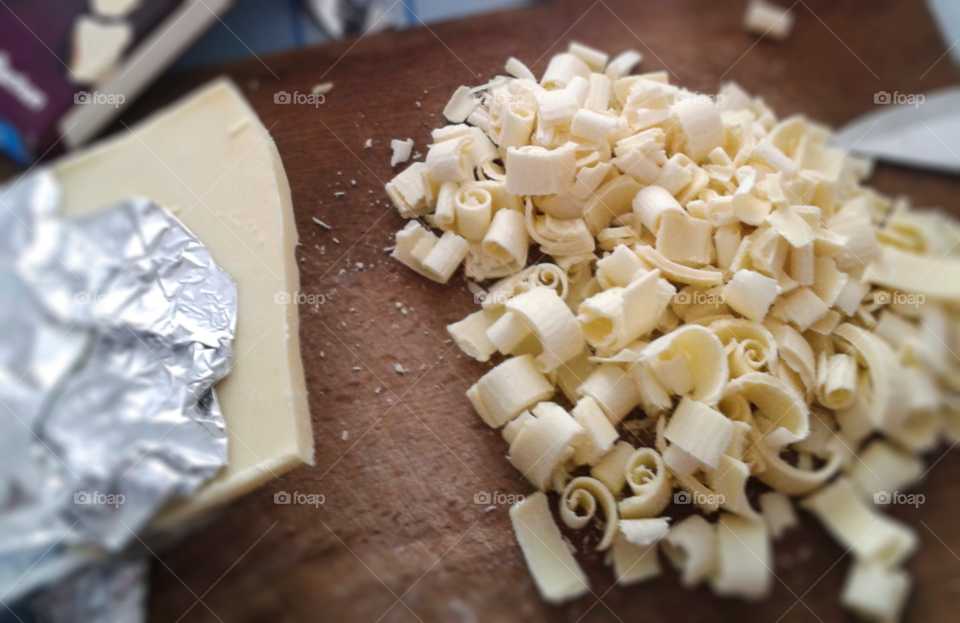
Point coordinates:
[[213, 164]]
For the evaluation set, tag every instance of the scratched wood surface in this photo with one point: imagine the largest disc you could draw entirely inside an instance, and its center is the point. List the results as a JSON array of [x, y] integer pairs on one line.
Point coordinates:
[[401, 456]]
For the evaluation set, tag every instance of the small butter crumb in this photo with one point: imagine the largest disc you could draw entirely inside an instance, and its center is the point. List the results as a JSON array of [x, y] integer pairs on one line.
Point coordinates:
[[356, 368], [768, 20], [489, 508], [345, 435], [322, 89], [339, 193], [401, 151], [320, 223], [377, 391], [368, 144], [399, 368]]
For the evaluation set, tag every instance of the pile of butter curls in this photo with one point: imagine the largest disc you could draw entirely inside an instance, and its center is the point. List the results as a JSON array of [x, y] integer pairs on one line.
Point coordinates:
[[717, 278]]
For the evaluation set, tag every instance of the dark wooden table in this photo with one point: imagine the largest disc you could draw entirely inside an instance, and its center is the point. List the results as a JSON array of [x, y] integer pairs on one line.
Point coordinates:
[[399, 519]]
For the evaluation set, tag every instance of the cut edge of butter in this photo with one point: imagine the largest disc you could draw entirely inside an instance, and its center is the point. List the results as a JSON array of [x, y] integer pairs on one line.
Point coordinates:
[[211, 145]]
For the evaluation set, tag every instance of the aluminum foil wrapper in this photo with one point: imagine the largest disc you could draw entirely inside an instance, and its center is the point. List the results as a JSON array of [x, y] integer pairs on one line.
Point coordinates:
[[346, 18], [114, 327]]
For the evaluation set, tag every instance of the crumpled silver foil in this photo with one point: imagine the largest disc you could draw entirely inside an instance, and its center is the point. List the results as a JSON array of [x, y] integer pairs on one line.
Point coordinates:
[[346, 18], [114, 327]]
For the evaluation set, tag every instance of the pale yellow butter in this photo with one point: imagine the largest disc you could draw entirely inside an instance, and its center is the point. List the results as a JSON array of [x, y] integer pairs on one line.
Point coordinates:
[[212, 163]]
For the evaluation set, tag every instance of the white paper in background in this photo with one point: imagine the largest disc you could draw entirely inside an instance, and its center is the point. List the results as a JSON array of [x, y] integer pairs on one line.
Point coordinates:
[[925, 136], [947, 14]]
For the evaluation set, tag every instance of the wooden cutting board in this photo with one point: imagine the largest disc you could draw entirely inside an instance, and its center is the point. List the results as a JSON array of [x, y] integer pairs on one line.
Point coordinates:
[[400, 456]]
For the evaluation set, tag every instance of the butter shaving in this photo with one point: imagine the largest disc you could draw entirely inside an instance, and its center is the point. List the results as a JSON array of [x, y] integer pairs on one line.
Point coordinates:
[[859, 528], [460, 105], [720, 278], [778, 513], [612, 468], [554, 569], [578, 506], [691, 547], [543, 443], [610, 386], [632, 563], [744, 558], [470, 334], [598, 436], [689, 362], [649, 482], [401, 151], [876, 592], [545, 314], [644, 532], [513, 386], [700, 431], [750, 294]]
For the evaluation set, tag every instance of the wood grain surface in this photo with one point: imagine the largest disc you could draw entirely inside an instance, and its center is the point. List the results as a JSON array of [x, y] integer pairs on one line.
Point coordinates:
[[401, 456]]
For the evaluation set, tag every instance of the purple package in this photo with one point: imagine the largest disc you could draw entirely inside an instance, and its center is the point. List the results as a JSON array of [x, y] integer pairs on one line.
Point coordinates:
[[38, 84]]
